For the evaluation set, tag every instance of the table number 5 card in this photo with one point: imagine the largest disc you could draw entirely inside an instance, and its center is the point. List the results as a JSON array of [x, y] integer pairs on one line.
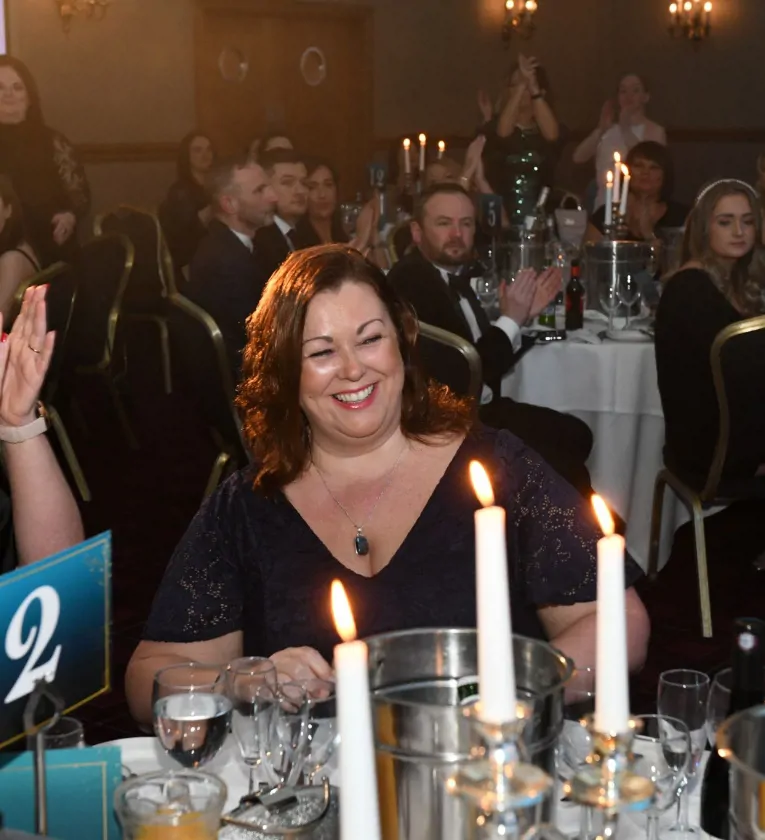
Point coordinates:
[[54, 625]]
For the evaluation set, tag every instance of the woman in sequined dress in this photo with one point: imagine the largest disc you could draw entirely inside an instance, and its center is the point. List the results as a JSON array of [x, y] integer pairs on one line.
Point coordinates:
[[361, 473]]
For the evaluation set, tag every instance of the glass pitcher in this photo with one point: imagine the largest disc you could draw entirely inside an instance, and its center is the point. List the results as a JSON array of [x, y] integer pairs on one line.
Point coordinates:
[[171, 805]]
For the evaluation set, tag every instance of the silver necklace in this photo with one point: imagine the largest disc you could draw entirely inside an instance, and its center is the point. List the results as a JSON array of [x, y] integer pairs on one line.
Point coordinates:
[[360, 542]]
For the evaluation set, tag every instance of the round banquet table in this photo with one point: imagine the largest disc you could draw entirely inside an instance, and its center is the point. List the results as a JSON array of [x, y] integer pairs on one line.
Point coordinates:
[[612, 386]]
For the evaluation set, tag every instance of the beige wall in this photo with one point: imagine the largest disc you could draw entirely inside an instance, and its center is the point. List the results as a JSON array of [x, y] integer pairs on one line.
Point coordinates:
[[129, 78]]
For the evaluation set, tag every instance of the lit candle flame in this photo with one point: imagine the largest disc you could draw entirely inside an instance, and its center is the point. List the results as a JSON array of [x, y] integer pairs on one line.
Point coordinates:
[[625, 170], [441, 146], [610, 179], [673, 8], [509, 4], [603, 514], [617, 157], [707, 7], [481, 484], [342, 613], [423, 139], [688, 6], [407, 144]]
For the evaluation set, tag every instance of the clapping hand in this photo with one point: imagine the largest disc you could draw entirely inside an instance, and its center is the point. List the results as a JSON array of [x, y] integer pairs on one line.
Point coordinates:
[[485, 106], [547, 287], [473, 158], [25, 356], [528, 67], [516, 298], [606, 115], [63, 226]]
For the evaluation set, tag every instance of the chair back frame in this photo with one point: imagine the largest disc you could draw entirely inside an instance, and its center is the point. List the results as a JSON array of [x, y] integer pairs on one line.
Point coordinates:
[[715, 357], [39, 279], [465, 348]]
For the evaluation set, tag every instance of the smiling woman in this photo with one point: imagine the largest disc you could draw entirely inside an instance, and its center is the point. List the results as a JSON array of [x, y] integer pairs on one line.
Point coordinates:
[[360, 474]]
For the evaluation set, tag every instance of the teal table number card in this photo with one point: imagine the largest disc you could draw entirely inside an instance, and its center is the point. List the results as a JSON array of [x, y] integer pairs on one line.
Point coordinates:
[[55, 619], [81, 785]]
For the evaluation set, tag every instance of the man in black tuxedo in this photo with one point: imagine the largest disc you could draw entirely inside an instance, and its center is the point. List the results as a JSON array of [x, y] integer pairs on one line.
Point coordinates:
[[288, 176], [433, 277], [226, 277]]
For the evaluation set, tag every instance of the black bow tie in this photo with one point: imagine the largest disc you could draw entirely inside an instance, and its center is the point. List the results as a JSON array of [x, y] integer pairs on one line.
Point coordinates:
[[460, 283]]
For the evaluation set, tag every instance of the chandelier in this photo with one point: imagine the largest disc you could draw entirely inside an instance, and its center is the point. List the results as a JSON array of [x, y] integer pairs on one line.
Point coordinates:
[[69, 9], [691, 19], [519, 17]]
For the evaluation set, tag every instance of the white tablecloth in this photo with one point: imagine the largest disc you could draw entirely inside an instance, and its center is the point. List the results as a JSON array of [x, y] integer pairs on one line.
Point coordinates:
[[612, 387]]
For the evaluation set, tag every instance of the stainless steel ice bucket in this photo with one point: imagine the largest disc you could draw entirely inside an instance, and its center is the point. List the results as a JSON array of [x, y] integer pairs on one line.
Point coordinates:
[[421, 731], [609, 260], [741, 739], [522, 249]]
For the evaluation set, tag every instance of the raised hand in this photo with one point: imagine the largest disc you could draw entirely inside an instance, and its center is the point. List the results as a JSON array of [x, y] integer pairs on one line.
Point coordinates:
[[547, 286], [24, 360], [515, 298], [63, 226], [473, 157], [528, 67], [485, 106], [607, 113]]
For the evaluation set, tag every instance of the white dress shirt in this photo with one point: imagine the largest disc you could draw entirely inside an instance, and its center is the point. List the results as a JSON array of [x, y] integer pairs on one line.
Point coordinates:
[[286, 229], [243, 238], [504, 322]]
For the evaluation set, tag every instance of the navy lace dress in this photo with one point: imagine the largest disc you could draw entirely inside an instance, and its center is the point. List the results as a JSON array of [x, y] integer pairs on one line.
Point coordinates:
[[251, 563]]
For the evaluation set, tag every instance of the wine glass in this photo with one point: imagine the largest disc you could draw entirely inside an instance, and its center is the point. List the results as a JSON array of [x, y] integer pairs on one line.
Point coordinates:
[[683, 694], [323, 735], [487, 290], [718, 704], [608, 296], [245, 676], [191, 711], [284, 733], [628, 292], [661, 753]]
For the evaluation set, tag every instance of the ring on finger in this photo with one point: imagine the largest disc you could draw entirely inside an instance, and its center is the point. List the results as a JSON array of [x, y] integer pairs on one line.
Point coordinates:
[[34, 350]]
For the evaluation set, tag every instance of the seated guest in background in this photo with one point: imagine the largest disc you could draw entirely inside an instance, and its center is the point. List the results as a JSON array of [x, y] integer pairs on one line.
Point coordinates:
[[721, 282], [261, 145], [226, 277], [38, 513], [42, 165], [18, 260], [649, 202], [186, 211], [361, 473], [522, 141], [287, 175], [434, 279], [322, 222], [619, 132]]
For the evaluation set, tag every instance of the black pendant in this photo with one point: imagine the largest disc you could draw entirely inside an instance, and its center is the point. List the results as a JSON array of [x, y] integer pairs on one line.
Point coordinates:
[[361, 544]]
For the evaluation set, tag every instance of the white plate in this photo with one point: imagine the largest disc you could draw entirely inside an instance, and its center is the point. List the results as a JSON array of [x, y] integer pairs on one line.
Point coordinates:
[[628, 335], [145, 755]]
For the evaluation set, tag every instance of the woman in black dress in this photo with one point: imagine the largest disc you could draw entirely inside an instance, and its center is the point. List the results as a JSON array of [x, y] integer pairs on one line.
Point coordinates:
[[351, 443], [185, 213], [721, 282], [650, 206], [18, 260], [42, 165]]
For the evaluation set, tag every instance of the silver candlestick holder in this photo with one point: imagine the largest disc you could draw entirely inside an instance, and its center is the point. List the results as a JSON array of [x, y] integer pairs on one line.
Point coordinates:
[[606, 783], [618, 229], [496, 779]]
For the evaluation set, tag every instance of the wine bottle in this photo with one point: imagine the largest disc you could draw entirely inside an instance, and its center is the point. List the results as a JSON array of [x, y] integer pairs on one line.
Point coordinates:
[[575, 299], [747, 690]]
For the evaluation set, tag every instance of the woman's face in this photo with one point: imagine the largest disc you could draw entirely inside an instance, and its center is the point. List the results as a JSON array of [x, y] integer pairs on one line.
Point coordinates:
[[732, 228], [14, 98], [352, 373], [633, 97], [322, 193], [200, 154], [647, 178]]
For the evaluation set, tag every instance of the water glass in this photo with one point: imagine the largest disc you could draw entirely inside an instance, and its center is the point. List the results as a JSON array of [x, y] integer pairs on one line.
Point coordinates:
[[662, 752], [66, 733], [608, 296], [487, 291], [323, 736], [245, 677], [191, 711], [683, 694], [628, 293], [718, 704], [284, 733]]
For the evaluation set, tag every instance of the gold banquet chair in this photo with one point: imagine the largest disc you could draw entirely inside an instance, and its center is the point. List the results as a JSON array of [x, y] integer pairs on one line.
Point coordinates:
[[153, 278], [204, 371], [451, 360], [699, 494]]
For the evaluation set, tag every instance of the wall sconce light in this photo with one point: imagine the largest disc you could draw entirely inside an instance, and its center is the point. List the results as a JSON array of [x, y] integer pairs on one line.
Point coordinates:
[[691, 19], [69, 9], [519, 17]]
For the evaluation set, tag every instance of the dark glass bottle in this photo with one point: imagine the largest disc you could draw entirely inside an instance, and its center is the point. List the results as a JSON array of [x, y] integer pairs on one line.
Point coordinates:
[[747, 690], [575, 299]]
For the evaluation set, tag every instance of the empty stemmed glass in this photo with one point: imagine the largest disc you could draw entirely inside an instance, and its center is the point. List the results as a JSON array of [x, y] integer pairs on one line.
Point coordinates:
[[245, 676], [284, 733], [323, 735], [628, 291], [191, 711], [718, 703], [661, 753], [683, 694], [608, 295]]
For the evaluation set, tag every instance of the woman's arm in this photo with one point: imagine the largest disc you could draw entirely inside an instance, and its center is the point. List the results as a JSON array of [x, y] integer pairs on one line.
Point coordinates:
[[150, 657], [72, 175], [572, 629], [545, 118], [509, 115]]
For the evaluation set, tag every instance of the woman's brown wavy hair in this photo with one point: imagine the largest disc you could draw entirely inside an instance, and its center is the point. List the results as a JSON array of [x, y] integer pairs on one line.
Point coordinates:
[[274, 425]]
